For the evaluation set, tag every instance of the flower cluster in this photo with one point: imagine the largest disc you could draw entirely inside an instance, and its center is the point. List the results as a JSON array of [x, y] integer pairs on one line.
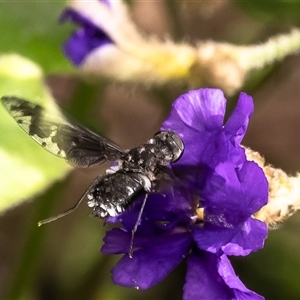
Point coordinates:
[[84, 40], [207, 214], [108, 43]]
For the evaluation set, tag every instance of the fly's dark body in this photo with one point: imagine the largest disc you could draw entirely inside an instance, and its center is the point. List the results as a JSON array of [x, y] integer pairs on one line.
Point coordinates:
[[135, 171], [141, 169]]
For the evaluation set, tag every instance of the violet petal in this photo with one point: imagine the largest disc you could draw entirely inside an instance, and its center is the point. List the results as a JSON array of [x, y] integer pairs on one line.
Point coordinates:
[[153, 263], [227, 273], [250, 238], [195, 116], [203, 280], [85, 39]]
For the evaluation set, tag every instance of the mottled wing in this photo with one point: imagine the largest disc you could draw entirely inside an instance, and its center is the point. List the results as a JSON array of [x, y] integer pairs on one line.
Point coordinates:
[[78, 145]]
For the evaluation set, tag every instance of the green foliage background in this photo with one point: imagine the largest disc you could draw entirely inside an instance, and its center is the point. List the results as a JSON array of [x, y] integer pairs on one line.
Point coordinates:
[[61, 260]]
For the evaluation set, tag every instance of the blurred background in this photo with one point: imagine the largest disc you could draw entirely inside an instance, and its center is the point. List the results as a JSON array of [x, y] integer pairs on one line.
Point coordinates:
[[61, 260]]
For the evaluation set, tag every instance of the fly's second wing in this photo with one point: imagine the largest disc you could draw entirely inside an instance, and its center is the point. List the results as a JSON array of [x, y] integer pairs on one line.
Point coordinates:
[[55, 133]]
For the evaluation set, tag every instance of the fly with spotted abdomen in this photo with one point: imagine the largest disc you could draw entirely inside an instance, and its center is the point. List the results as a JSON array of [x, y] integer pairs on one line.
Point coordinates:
[[136, 171]]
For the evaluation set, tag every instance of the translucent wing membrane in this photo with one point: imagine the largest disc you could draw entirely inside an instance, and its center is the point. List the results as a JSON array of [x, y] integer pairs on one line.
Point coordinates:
[[60, 136]]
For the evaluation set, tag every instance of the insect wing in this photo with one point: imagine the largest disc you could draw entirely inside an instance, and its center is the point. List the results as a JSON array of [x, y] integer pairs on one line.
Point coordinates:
[[78, 145]]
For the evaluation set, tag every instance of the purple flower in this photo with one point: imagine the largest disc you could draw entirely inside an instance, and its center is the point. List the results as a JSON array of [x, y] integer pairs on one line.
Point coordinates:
[[207, 214], [87, 38], [108, 43]]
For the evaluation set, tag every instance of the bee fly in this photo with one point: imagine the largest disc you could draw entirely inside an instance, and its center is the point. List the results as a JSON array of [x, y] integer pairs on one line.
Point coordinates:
[[135, 171]]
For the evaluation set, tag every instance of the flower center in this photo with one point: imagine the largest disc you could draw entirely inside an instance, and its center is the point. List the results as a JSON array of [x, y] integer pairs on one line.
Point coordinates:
[[198, 217]]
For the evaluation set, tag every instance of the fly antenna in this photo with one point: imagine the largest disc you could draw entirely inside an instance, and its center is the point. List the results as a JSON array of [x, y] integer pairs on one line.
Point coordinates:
[[137, 225]]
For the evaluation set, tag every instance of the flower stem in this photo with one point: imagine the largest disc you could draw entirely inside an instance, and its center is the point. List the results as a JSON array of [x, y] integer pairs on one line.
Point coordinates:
[[275, 49]]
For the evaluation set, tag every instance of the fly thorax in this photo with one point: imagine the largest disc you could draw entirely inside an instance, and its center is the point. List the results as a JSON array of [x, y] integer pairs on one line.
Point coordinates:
[[140, 158]]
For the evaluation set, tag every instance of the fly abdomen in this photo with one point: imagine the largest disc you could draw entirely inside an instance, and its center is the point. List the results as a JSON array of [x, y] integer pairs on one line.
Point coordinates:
[[112, 194]]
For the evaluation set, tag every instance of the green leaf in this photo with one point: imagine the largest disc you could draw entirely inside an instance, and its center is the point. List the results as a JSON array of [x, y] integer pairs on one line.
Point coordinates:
[[31, 28], [26, 168]]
